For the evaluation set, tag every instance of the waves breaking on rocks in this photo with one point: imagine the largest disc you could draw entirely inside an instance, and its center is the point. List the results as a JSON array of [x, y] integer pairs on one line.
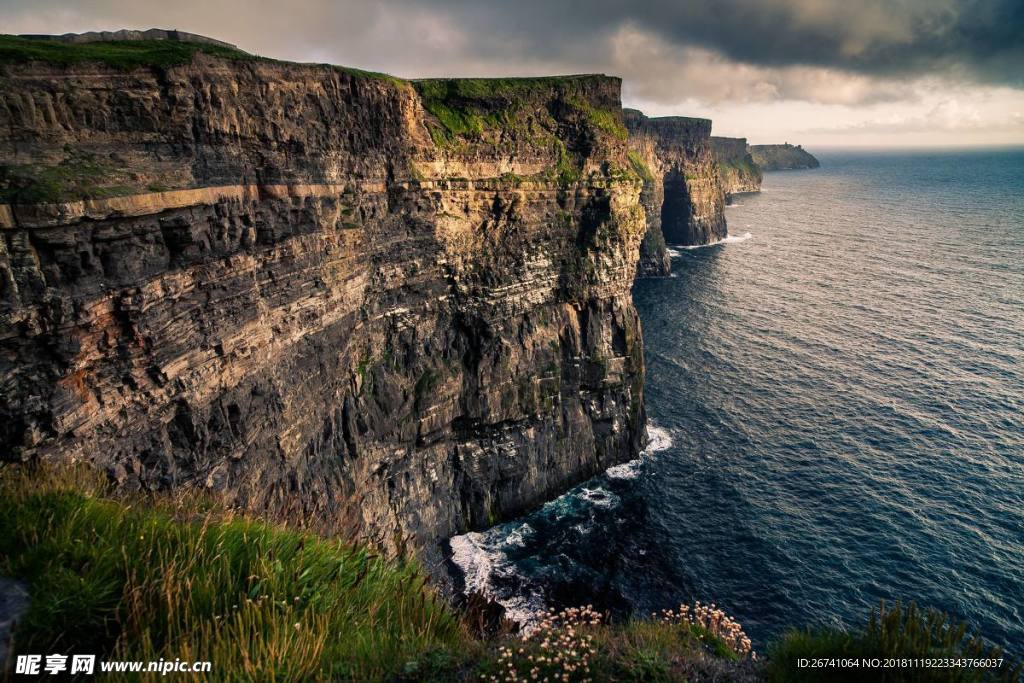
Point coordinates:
[[487, 561]]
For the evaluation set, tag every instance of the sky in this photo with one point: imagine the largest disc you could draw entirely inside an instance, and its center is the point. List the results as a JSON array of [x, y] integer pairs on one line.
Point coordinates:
[[816, 72]]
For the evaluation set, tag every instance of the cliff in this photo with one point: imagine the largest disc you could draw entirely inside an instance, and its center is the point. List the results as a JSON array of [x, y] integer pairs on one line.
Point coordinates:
[[736, 168], [401, 307], [783, 157], [682, 195]]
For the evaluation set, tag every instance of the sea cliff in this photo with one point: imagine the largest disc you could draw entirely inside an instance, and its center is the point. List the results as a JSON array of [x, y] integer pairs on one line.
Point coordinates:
[[736, 168], [785, 157], [400, 306], [682, 192]]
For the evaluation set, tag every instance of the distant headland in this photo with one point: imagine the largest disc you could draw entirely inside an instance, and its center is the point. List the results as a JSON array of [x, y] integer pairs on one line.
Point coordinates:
[[784, 157]]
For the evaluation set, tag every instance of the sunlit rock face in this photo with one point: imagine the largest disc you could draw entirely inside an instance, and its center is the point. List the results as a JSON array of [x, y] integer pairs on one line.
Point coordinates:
[[398, 307], [736, 168]]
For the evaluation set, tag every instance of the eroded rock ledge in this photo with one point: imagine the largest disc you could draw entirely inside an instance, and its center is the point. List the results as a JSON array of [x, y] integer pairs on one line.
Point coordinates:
[[400, 306], [682, 194]]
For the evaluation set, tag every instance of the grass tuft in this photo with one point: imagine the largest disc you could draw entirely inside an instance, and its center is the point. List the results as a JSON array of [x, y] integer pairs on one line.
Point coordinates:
[[80, 175], [150, 579]]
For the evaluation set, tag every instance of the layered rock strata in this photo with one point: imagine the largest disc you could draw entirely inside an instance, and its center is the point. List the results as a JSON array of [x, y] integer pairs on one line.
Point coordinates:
[[736, 168], [682, 193], [403, 307]]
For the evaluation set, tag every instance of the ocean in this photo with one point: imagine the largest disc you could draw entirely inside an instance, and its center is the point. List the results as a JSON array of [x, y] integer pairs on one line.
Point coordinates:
[[836, 395]]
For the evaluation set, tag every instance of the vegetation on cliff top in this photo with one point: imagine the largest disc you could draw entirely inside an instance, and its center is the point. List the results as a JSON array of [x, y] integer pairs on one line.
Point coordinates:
[[743, 166], [145, 577], [120, 54], [134, 54], [469, 107]]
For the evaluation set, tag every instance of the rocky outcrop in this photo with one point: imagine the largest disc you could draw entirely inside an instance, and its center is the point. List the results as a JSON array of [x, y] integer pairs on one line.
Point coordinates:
[[682, 194], [400, 306], [785, 157], [736, 168]]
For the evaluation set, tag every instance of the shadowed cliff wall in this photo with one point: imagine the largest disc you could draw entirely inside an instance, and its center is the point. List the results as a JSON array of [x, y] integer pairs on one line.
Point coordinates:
[[682, 193]]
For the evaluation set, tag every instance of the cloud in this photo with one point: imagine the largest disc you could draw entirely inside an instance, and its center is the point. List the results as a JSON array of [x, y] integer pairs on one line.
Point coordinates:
[[981, 40], [658, 71], [741, 60], [949, 116]]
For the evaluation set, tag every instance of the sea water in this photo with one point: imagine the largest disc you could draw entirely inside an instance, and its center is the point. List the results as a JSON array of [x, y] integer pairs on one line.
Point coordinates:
[[836, 395]]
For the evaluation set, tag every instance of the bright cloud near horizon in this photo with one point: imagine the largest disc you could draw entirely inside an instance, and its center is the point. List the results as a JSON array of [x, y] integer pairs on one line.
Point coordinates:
[[817, 72]]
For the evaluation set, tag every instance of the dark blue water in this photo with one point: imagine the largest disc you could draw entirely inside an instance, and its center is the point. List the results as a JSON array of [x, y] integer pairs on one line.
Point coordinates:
[[838, 406]]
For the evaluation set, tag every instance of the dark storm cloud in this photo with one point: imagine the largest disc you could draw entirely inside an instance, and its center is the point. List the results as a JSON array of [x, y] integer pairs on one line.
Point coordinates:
[[823, 51], [980, 38]]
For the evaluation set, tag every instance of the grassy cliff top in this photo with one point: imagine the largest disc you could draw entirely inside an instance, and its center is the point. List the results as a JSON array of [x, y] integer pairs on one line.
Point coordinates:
[[469, 107], [135, 54], [145, 577], [119, 54], [634, 116]]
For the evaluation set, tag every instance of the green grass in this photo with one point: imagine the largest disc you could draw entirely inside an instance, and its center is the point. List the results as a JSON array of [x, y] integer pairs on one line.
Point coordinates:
[[566, 170], [153, 578], [639, 167], [898, 632], [122, 54], [469, 107], [134, 54], [149, 577], [743, 166]]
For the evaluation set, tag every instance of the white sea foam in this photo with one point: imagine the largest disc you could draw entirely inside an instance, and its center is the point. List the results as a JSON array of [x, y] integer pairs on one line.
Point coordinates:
[[518, 535], [599, 497], [728, 239], [481, 556], [660, 439], [479, 564]]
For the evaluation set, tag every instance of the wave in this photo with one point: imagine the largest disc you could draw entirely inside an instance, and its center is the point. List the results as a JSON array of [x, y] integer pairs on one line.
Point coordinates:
[[660, 439], [728, 239], [479, 557], [483, 557]]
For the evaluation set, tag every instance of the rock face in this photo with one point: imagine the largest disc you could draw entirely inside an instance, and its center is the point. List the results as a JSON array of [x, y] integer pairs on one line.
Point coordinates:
[[682, 194], [736, 168], [400, 306], [784, 157]]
